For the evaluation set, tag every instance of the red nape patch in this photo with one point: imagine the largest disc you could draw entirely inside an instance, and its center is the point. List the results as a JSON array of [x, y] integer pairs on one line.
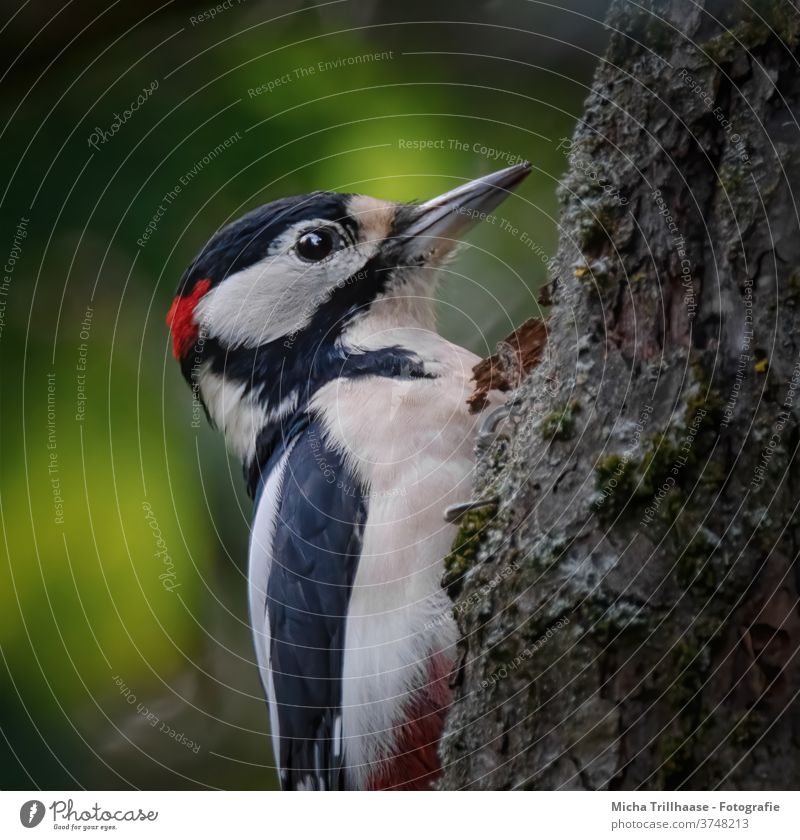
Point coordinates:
[[180, 319], [415, 764]]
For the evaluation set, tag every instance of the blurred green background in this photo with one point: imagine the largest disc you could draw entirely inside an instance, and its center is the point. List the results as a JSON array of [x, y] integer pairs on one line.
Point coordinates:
[[126, 658]]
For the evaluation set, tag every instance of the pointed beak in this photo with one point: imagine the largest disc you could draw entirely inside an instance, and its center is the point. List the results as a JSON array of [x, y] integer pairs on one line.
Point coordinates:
[[436, 226]]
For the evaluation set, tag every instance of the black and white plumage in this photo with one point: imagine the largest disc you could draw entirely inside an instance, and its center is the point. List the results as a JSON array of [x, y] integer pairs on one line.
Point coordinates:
[[307, 330], [305, 610]]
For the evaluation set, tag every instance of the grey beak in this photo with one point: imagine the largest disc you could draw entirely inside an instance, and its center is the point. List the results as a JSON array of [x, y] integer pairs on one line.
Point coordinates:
[[438, 225]]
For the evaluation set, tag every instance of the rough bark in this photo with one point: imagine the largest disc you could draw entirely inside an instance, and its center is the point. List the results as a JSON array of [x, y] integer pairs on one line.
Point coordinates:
[[630, 611]]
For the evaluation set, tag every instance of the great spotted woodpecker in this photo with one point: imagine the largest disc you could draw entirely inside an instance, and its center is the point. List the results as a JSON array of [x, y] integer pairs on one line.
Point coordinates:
[[307, 330]]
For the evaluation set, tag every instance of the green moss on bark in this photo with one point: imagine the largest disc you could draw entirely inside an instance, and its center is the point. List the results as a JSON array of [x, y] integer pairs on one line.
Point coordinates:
[[464, 553], [560, 424], [656, 484]]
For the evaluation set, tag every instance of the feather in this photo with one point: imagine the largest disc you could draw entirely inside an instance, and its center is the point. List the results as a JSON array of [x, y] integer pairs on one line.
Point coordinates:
[[315, 546]]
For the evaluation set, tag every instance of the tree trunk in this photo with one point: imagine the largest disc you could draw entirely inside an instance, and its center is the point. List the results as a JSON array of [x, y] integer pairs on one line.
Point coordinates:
[[630, 611]]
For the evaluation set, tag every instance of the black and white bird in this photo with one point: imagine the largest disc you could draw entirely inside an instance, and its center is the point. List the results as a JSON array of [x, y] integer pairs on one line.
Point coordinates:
[[307, 329]]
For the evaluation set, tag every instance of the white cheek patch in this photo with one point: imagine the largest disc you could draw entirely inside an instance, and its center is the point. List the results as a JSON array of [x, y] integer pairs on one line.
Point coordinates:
[[277, 296], [237, 414], [240, 414]]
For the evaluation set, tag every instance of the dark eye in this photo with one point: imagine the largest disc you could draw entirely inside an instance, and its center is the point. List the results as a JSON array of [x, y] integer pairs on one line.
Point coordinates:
[[315, 245]]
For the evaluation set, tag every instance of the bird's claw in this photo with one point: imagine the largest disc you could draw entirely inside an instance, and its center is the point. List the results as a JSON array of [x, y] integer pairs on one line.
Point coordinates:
[[456, 512], [491, 421]]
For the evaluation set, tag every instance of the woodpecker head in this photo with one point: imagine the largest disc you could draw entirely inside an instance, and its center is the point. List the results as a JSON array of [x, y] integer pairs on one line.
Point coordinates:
[[310, 288]]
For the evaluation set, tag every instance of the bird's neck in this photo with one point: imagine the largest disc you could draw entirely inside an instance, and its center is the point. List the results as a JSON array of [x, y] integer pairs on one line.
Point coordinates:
[[260, 399]]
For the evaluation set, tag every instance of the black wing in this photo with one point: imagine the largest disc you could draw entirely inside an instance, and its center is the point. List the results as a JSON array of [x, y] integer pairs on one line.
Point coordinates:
[[315, 554]]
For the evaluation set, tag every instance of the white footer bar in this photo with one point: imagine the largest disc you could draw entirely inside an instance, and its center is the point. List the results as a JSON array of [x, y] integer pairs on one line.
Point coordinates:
[[406, 816]]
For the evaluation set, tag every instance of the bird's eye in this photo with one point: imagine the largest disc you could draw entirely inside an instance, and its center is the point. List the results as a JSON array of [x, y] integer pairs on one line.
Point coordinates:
[[315, 245]]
